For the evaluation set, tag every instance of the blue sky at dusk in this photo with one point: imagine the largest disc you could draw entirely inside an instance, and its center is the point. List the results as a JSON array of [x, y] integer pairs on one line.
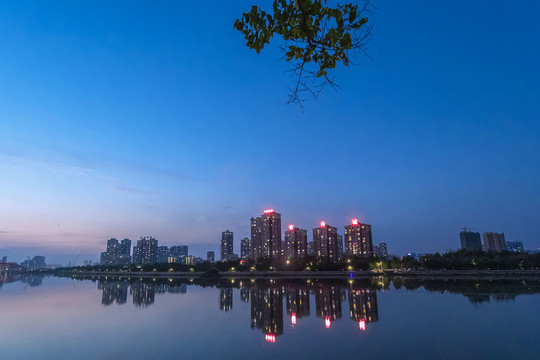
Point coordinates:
[[133, 118]]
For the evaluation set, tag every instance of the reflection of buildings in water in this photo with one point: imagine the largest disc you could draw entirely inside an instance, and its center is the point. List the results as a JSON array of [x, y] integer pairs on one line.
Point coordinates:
[[328, 302], [33, 280], [503, 297], [143, 293], [113, 291], [244, 292], [267, 310], [363, 305], [297, 300], [7, 277], [225, 299], [477, 298], [171, 289]]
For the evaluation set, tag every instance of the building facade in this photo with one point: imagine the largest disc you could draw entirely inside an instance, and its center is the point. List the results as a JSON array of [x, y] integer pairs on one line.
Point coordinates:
[[226, 245], [245, 248], [514, 246], [325, 242], [494, 241], [266, 235], [470, 241], [178, 254], [358, 240], [295, 244], [117, 253], [210, 256], [146, 251]]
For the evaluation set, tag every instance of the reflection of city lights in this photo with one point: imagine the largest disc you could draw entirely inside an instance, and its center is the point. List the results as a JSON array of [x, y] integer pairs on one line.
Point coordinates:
[[293, 318], [362, 324], [270, 338], [327, 321]]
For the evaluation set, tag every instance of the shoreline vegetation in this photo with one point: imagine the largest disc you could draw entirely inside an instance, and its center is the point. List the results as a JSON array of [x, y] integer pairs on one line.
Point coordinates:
[[460, 263], [358, 275], [368, 274]]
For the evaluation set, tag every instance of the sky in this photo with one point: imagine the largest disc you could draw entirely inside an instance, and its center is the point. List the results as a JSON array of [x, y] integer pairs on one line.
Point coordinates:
[[136, 118]]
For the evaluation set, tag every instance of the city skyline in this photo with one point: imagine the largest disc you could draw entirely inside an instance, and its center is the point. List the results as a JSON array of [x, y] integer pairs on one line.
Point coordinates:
[[113, 125]]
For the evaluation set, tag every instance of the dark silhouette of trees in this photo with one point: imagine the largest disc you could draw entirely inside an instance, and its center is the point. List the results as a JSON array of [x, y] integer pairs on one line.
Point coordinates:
[[316, 38]]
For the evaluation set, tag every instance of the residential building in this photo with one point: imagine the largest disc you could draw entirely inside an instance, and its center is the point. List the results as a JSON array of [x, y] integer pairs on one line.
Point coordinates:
[[226, 245], [245, 248], [358, 240], [35, 263], [146, 251], [295, 243], [266, 235], [383, 249], [162, 254], [178, 254], [514, 246], [470, 240], [325, 242], [494, 241], [117, 253]]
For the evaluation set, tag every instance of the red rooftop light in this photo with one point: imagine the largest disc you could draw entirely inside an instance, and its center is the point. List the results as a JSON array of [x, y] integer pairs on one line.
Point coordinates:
[[362, 324], [355, 221], [323, 224], [268, 211], [291, 227]]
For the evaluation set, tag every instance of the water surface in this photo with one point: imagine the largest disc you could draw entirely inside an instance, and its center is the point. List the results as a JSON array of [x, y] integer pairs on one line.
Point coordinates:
[[98, 318]]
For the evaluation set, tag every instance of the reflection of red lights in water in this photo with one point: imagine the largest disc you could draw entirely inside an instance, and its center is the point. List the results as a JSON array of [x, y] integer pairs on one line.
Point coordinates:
[[293, 318], [362, 324], [270, 338], [327, 321]]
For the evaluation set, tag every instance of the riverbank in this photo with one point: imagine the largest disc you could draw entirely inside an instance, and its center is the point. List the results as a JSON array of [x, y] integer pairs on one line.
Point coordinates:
[[421, 274]]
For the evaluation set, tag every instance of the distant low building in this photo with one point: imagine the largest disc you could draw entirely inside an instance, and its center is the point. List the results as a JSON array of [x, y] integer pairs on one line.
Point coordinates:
[[514, 246], [9, 266], [36, 263], [210, 256]]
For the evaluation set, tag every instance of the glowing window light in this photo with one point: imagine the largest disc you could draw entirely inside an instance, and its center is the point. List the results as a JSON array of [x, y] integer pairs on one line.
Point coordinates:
[[293, 318], [355, 221], [270, 338], [291, 227], [323, 224], [362, 324], [327, 321], [268, 211]]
